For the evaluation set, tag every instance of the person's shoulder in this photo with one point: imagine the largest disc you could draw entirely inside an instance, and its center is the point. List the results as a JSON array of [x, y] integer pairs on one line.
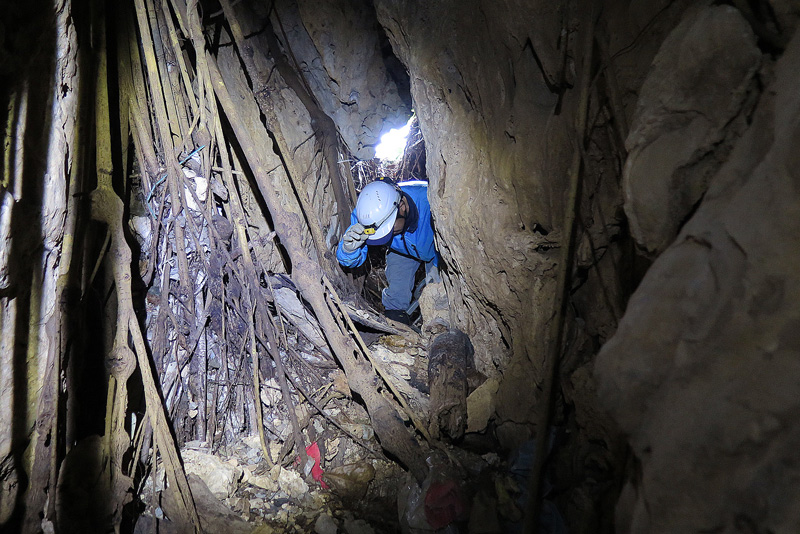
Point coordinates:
[[413, 185]]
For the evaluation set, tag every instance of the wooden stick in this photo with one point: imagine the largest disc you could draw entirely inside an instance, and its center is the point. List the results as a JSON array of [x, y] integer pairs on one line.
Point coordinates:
[[309, 278], [272, 349], [259, 88], [164, 133], [552, 362], [379, 366], [257, 392]]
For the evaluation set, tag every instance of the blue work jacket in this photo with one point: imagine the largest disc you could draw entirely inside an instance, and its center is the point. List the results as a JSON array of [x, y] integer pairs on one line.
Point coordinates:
[[415, 242]]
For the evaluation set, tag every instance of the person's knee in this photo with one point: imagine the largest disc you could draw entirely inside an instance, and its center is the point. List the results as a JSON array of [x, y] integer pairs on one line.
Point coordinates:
[[400, 272], [395, 298]]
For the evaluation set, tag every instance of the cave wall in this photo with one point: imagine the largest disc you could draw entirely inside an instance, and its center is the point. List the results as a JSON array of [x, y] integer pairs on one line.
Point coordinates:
[[337, 46], [702, 374], [496, 88], [497, 156], [39, 75], [686, 120], [368, 98]]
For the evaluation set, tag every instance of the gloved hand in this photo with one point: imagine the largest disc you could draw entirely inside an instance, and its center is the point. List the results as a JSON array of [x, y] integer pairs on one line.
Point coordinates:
[[354, 238]]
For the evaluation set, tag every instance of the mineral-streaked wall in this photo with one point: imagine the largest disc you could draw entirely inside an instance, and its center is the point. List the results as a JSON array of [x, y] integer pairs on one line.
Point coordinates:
[[38, 76], [704, 374], [497, 158]]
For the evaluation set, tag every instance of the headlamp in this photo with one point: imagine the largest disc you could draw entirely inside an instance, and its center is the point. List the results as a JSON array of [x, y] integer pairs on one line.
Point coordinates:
[[372, 228]]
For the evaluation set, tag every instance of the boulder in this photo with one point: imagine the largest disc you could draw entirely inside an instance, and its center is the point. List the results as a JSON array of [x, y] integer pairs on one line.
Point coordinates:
[[220, 477], [692, 106], [703, 374]]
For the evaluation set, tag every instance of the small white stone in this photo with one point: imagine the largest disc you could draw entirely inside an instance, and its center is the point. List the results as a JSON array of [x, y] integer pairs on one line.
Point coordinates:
[[292, 483], [220, 477]]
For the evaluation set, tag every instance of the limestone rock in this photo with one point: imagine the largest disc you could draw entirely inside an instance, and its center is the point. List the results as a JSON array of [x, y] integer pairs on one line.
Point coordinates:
[[481, 405], [692, 106], [292, 484], [357, 526], [352, 480], [214, 515], [265, 481], [434, 308], [339, 46], [703, 374], [398, 364], [325, 525], [405, 369], [220, 477]]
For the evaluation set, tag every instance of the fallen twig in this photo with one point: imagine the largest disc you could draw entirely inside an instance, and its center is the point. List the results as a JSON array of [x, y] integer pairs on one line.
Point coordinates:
[[553, 356]]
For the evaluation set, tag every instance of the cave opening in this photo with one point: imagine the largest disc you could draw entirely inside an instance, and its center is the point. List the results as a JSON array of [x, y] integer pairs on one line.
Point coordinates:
[[185, 348], [393, 143], [399, 159]]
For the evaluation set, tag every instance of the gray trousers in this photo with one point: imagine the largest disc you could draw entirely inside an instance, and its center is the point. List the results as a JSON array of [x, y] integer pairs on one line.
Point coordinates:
[[400, 274]]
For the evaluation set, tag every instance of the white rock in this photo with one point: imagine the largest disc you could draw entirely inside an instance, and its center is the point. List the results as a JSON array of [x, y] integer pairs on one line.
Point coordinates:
[[386, 355], [332, 449], [292, 483], [481, 405], [274, 450], [254, 442], [262, 481], [434, 306], [271, 393], [360, 431], [400, 371], [141, 227], [318, 426], [220, 477]]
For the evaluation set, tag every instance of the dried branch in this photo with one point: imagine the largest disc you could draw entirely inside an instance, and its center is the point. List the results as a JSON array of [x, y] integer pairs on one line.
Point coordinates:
[[257, 391], [555, 341], [272, 349], [261, 93], [309, 278]]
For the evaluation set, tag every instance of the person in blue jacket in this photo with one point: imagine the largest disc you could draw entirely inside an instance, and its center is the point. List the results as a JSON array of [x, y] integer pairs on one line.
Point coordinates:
[[397, 213]]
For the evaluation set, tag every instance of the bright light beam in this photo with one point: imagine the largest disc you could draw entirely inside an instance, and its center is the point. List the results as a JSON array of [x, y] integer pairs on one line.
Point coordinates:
[[393, 143]]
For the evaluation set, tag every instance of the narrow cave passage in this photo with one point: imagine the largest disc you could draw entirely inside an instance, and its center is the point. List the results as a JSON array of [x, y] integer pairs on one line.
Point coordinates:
[[555, 311]]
